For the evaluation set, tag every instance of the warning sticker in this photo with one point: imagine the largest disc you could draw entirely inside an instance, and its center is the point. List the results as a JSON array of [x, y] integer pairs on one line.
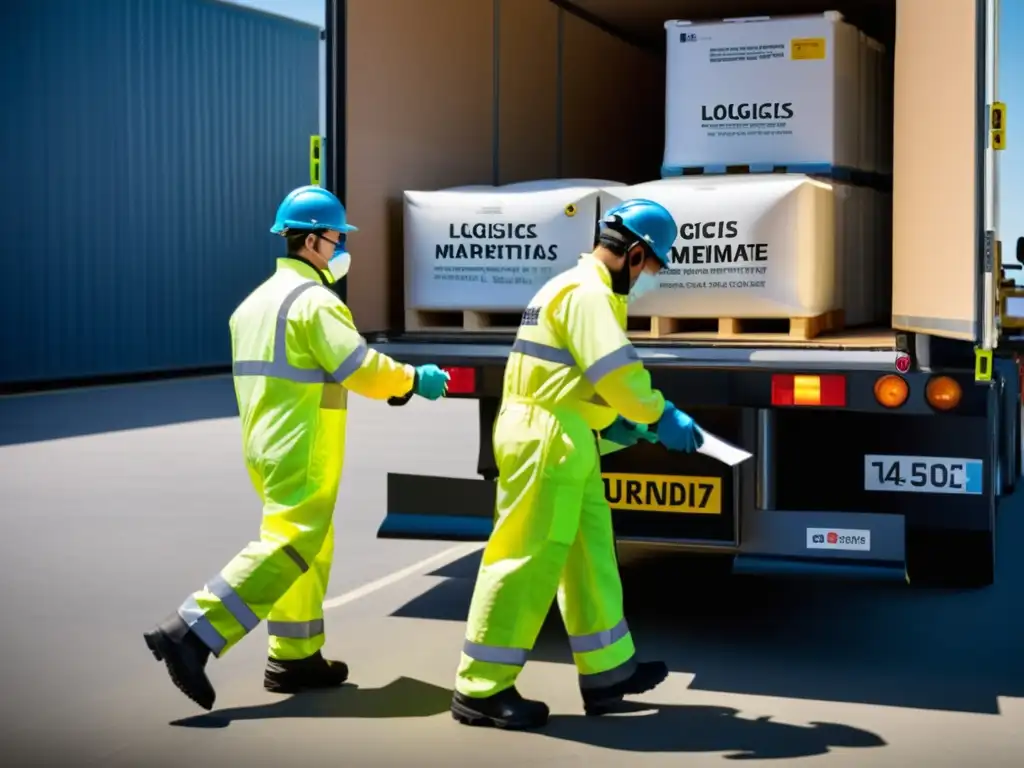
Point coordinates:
[[807, 48], [664, 493]]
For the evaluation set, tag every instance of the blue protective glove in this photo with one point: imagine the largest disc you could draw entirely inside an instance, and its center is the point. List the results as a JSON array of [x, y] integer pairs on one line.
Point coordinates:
[[625, 432], [430, 382], [677, 431]]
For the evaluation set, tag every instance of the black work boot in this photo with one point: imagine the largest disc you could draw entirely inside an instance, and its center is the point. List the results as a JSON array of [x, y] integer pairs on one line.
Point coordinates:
[[309, 674], [185, 656], [647, 676], [506, 710]]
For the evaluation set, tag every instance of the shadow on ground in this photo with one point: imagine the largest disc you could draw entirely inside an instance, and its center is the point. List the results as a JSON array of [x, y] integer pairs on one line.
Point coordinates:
[[869, 643], [89, 411], [401, 698], [672, 728]]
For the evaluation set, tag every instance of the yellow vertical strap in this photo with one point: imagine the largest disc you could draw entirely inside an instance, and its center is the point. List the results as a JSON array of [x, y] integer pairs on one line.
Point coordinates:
[[983, 365], [997, 125], [314, 160]]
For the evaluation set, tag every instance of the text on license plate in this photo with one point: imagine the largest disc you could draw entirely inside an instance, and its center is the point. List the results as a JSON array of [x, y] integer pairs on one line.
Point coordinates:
[[922, 474], [664, 493]]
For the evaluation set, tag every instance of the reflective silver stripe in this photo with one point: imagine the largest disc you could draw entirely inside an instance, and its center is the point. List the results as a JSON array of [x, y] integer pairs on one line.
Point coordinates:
[[293, 553], [493, 654], [351, 363], [278, 366], [236, 606], [197, 622], [296, 630], [611, 677], [543, 352], [620, 358], [272, 368], [598, 640]]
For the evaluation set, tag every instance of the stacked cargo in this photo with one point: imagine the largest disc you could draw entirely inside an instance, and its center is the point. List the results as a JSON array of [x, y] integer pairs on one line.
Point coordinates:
[[775, 152], [798, 96]]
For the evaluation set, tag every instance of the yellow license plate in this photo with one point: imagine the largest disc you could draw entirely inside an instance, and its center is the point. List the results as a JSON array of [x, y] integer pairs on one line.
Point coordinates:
[[680, 494]]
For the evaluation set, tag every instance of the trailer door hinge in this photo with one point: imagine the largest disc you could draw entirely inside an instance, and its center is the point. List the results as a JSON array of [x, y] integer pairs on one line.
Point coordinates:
[[997, 125], [982, 364]]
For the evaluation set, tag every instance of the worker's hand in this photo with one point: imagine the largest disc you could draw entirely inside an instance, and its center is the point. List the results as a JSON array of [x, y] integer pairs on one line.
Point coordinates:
[[430, 382], [625, 432], [678, 432]]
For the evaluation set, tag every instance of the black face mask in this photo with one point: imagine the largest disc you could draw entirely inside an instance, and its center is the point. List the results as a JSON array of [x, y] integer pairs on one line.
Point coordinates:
[[620, 277], [620, 280]]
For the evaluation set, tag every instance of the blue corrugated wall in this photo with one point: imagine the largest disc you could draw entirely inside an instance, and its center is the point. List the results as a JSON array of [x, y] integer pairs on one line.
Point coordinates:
[[145, 146]]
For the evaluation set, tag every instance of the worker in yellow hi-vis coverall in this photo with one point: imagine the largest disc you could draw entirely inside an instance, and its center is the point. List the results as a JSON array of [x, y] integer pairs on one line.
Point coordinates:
[[296, 356], [571, 378]]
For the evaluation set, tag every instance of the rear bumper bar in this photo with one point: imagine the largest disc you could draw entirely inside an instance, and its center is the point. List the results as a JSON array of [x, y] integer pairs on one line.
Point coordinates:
[[450, 509]]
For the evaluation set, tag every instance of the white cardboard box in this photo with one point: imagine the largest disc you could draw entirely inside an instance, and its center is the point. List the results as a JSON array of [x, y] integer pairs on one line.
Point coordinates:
[[749, 246], [763, 91], [491, 248]]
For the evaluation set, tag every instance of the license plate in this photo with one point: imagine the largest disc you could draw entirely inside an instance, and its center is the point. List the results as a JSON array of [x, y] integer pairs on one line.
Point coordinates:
[[679, 494], [923, 474]]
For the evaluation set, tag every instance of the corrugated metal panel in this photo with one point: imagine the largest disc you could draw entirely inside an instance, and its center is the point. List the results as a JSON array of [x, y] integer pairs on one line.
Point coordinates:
[[145, 146]]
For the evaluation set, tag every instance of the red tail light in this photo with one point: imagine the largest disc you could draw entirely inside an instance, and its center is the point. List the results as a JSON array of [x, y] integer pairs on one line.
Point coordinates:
[[462, 382], [798, 389]]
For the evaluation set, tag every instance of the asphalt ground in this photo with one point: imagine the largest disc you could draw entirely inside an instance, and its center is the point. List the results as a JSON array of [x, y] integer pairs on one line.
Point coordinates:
[[116, 503]]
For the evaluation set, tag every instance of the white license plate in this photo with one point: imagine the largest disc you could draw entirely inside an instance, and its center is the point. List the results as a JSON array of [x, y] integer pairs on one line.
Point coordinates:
[[923, 474]]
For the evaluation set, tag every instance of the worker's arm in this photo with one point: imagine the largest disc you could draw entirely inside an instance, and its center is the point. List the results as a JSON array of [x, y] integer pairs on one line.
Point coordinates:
[[337, 346], [607, 358]]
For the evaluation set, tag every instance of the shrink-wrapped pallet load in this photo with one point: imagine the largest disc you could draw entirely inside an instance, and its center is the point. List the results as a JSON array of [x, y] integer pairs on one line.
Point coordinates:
[[764, 92], [489, 249], [749, 247]]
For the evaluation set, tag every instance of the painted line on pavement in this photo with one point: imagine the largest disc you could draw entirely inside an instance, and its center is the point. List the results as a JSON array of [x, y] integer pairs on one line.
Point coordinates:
[[449, 555]]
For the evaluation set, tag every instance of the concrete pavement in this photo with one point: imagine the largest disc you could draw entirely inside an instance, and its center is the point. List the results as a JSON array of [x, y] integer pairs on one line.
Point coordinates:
[[105, 532]]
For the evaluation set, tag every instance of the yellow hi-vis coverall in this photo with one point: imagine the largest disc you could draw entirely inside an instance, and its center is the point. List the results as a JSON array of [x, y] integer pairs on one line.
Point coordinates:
[[571, 371], [296, 355]]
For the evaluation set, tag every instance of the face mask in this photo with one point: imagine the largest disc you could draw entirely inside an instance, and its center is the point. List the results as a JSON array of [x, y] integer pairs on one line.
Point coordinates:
[[339, 264], [645, 283]]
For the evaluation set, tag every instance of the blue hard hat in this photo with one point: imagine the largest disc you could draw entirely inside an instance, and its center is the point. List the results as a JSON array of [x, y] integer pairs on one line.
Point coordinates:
[[312, 208], [649, 221]]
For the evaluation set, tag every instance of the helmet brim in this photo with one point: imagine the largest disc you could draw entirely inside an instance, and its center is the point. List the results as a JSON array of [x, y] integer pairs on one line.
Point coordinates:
[[282, 228]]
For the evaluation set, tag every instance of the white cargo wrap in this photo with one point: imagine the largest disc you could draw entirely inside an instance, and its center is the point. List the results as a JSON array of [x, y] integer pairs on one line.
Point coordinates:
[[749, 246], [491, 248], [544, 184], [770, 91]]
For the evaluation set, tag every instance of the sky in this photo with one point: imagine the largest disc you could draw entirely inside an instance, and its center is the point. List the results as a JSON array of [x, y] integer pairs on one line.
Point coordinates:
[[1011, 91]]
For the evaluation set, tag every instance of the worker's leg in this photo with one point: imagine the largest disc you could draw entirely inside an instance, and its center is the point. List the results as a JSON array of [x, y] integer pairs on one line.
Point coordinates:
[[234, 601], [299, 492], [541, 467], [296, 627], [590, 595], [299, 488], [591, 602], [296, 622]]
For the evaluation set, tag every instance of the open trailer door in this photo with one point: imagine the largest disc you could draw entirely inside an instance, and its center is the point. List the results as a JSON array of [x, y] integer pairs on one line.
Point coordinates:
[[944, 207]]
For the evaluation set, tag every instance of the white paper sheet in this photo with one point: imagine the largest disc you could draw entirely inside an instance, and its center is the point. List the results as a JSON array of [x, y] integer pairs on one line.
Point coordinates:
[[720, 450]]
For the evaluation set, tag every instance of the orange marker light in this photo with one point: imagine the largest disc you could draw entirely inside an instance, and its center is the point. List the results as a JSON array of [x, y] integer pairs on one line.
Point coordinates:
[[891, 391], [943, 393]]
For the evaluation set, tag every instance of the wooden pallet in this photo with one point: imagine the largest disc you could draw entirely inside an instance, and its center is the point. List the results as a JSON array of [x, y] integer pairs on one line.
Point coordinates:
[[733, 328], [465, 321]]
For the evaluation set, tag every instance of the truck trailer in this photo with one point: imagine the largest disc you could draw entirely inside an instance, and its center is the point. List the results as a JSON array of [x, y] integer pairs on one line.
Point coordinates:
[[879, 452]]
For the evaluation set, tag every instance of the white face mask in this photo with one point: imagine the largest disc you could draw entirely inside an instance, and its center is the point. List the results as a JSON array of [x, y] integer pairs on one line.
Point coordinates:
[[645, 283], [339, 265]]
